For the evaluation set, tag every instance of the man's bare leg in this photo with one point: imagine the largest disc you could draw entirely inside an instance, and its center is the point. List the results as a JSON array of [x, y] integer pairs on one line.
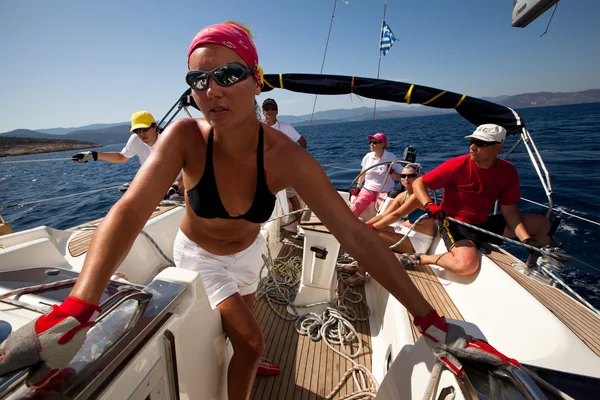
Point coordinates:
[[462, 259]]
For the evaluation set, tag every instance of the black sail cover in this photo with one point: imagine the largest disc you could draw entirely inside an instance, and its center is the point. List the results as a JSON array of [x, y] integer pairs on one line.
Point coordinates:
[[472, 109]]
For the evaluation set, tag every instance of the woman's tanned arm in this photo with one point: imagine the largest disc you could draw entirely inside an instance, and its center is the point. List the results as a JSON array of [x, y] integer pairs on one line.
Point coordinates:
[[313, 185]]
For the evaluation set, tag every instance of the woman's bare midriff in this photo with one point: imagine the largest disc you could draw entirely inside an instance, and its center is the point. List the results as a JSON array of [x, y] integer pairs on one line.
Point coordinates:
[[219, 236], [425, 226]]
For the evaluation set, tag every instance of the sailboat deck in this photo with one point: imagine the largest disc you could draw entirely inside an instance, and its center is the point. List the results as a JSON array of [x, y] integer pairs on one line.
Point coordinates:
[[430, 287], [80, 243], [578, 318], [309, 370]]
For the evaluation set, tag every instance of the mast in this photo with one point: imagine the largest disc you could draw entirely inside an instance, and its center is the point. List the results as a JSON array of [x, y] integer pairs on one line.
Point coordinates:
[[379, 63]]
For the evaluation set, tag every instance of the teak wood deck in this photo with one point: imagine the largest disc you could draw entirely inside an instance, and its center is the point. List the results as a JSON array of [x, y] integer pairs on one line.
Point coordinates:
[[310, 370], [578, 318], [80, 243]]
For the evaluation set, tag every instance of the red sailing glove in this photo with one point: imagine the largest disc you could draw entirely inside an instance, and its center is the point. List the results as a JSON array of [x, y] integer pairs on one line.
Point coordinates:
[[449, 343], [356, 191], [434, 211], [52, 339]]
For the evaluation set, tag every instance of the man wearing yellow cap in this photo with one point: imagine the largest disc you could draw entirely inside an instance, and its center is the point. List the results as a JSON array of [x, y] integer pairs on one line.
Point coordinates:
[[145, 134]]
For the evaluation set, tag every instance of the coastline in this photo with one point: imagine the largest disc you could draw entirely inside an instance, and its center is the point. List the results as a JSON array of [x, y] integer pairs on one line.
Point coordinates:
[[14, 146]]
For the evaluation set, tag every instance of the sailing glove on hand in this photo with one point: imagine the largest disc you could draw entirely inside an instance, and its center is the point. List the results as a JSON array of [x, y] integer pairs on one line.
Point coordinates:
[[533, 243], [434, 211], [172, 190], [356, 191], [85, 156], [449, 343], [52, 339]]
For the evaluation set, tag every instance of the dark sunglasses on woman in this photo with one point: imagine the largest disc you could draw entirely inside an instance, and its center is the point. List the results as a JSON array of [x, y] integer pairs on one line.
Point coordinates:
[[374, 142], [481, 143], [408, 176], [224, 75]]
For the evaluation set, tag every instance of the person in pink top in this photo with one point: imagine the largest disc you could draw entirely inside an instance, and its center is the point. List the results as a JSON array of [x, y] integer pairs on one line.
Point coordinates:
[[472, 183], [376, 180]]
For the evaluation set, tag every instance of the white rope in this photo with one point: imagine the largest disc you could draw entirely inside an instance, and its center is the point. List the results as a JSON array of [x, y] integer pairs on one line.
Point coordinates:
[[409, 231], [280, 287]]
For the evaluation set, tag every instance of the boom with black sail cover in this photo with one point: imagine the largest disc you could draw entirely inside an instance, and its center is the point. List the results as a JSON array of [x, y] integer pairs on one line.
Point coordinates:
[[474, 110]]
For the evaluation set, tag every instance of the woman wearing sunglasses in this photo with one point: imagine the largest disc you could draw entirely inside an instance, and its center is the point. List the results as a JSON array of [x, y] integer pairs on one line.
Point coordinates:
[[405, 209], [376, 180], [234, 165]]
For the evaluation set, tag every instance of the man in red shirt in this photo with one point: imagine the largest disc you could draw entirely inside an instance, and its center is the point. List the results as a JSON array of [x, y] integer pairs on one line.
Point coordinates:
[[472, 183]]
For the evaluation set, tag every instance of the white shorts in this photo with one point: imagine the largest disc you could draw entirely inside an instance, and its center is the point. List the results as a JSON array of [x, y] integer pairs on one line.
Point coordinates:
[[291, 192], [420, 241], [223, 276]]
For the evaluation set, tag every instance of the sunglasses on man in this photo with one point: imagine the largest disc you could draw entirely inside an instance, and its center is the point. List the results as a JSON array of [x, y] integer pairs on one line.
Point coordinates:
[[269, 108], [481, 143], [224, 75], [144, 130], [374, 142]]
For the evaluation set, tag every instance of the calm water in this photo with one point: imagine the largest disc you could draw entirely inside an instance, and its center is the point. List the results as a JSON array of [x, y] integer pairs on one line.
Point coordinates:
[[567, 137]]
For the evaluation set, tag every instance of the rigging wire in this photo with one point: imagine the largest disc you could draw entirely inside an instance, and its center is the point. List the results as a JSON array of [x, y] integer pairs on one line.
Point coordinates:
[[322, 66], [552, 16], [56, 198], [562, 212], [28, 161]]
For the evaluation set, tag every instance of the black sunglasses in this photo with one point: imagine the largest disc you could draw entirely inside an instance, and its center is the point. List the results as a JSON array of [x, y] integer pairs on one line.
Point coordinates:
[[225, 75], [138, 130], [374, 142], [407, 176], [269, 108], [481, 143]]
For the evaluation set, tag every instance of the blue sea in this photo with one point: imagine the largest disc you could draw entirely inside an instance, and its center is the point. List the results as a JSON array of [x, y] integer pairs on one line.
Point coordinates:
[[568, 138]]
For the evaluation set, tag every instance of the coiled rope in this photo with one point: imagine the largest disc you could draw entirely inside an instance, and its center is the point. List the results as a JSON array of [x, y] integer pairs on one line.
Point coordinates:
[[333, 325]]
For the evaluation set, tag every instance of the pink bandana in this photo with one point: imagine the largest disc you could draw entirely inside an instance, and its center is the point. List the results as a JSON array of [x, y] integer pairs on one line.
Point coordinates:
[[230, 36]]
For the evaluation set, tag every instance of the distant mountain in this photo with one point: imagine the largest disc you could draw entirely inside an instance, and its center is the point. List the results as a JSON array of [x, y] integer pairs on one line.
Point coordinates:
[[362, 114], [63, 131], [119, 132], [18, 146], [496, 99], [104, 136], [26, 133], [542, 99]]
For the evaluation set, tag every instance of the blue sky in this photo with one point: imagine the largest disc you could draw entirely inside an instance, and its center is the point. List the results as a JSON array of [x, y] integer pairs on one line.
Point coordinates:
[[70, 63]]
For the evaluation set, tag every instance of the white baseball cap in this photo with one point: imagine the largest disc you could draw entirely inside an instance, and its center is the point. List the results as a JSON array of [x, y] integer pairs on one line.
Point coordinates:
[[489, 133]]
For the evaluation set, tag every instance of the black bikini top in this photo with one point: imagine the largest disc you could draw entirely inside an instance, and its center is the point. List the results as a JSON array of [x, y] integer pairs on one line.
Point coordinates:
[[204, 198]]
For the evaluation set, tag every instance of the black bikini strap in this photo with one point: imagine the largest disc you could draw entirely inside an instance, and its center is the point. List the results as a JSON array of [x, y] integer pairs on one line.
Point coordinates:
[[209, 151], [260, 169]]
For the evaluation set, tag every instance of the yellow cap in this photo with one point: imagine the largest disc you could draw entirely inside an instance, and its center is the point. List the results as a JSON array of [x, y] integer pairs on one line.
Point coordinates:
[[141, 119]]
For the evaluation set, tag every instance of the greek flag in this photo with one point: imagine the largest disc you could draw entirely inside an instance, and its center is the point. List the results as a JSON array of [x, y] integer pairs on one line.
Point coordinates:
[[387, 39]]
